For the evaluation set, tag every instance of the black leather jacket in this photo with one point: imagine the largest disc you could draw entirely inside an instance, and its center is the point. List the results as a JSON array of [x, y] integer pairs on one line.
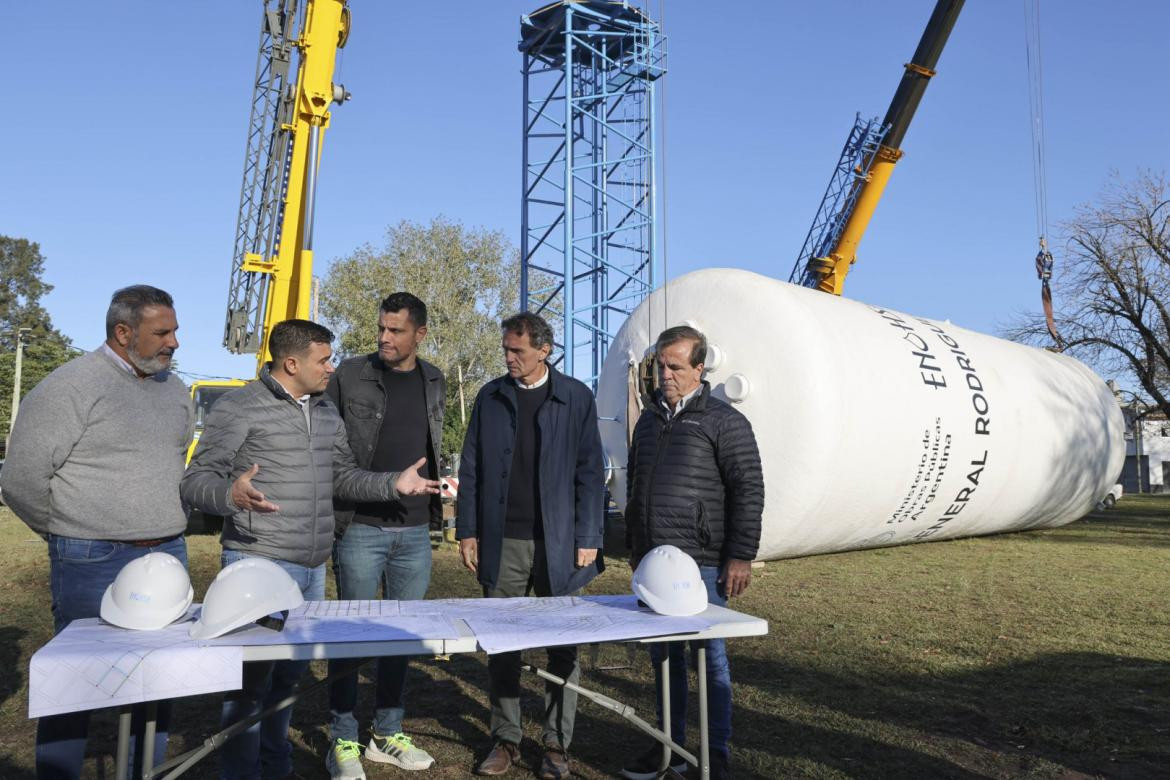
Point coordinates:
[[356, 388]]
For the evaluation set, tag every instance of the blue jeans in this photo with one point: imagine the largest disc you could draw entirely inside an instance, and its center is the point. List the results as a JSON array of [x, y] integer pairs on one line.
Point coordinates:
[[263, 751], [399, 561], [80, 570], [718, 678]]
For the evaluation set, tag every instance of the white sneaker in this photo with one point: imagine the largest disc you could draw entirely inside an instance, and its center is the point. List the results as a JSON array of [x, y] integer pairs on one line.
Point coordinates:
[[398, 750], [344, 761]]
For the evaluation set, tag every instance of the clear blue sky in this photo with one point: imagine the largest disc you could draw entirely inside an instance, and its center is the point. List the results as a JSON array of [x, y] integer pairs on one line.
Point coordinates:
[[124, 131]]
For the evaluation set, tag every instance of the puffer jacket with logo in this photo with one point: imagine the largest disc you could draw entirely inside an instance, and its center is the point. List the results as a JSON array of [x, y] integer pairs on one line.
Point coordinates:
[[695, 481]]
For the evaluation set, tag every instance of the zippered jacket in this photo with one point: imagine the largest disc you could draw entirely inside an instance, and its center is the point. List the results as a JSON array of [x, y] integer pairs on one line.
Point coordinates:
[[356, 389], [695, 481], [304, 460], [570, 478]]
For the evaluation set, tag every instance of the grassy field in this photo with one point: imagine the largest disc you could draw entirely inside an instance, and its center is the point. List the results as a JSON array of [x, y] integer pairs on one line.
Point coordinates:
[[1043, 654]]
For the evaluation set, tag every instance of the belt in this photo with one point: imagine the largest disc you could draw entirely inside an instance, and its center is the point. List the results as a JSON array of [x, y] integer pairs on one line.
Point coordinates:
[[152, 542]]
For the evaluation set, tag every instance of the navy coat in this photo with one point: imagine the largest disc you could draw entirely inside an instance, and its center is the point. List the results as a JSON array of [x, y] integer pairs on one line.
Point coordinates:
[[572, 478]]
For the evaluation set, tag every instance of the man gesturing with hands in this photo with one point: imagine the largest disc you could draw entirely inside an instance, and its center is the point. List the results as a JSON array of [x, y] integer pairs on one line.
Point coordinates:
[[272, 456]]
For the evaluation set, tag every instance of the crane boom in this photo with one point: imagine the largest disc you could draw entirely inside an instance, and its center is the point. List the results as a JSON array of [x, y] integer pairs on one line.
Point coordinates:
[[272, 264], [874, 161]]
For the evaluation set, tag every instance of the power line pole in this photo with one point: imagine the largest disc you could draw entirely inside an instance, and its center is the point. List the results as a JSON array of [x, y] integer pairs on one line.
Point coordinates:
[[20, 334]]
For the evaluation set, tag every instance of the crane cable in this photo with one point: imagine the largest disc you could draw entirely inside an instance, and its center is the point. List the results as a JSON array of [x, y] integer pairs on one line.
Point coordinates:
[[1044, 259]]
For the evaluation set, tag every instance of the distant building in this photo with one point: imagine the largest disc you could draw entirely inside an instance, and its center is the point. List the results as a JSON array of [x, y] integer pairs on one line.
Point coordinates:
[[1147, 450]]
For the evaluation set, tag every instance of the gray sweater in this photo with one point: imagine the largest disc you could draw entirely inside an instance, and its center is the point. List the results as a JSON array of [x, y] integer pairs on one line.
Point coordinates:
[[304, 460], [98, 453]]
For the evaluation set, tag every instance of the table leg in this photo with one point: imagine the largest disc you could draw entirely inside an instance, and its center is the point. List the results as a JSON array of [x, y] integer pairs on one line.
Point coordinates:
[[623, 710], [180, 764], [148, 739], [704, 738], [122, 760], [664, 672]]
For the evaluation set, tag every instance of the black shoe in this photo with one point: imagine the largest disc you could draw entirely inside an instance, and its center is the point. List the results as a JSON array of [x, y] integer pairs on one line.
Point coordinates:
[[645, 766], [555, 764]]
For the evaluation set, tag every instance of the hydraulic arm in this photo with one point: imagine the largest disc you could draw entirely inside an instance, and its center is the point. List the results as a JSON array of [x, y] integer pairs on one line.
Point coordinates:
[[875, 161], [272, 267]]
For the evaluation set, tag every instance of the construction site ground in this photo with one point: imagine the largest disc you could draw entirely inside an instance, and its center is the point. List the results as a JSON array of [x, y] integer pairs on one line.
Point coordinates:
[[1043, 654]]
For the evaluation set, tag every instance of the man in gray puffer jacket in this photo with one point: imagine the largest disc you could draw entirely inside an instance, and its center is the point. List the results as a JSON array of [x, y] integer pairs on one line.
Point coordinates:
[[271, 458]]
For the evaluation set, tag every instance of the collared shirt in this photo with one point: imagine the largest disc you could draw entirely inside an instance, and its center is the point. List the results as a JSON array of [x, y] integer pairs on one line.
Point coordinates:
[[107, 350], [681, 402], [538, 383], [302, 400]]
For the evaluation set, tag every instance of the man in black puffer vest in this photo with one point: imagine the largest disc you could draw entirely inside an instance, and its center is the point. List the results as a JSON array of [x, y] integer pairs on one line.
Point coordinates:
[[694, 481]]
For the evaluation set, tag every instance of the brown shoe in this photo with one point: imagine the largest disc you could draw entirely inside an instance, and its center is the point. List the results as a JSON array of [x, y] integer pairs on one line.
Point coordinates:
[[555, 764], [500, 760]]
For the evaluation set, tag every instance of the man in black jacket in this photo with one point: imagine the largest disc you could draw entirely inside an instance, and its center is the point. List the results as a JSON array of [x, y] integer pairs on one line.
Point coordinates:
[[392, 402], [694, 481], [530, 518]]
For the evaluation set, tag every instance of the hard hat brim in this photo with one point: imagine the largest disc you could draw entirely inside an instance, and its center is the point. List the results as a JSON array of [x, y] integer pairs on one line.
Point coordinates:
[[202, 630], [663, 608]]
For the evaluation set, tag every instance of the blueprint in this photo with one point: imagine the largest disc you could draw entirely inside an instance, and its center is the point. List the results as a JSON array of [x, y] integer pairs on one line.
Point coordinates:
[[504, 625], [346, 609], [317, 622], [92, 664]]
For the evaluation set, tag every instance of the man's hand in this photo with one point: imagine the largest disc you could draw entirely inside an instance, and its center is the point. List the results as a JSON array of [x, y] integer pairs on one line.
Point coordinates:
[[469, 550], [411, 483], [248, 498], [586, 557], [736, 576]]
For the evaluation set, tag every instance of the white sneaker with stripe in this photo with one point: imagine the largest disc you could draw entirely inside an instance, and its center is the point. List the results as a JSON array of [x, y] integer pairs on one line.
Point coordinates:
[[398, 750]]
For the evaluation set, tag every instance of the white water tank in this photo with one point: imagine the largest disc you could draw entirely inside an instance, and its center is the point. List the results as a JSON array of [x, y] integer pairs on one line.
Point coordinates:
[[876, 427]]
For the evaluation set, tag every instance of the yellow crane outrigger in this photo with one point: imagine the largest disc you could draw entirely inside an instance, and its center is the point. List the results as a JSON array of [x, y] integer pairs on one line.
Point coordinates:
[[272, 266]]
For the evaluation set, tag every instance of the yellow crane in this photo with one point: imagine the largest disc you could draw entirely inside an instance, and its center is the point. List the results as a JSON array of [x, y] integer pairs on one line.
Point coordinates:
[[868, 159], [272, 265]]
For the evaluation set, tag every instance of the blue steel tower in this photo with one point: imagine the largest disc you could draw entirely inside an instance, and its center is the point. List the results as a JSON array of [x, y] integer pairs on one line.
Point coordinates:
[[588, 253]]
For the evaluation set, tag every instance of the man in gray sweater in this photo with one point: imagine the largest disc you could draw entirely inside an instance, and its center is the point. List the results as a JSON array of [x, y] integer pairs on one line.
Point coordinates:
[[272, 456], [93, 466]]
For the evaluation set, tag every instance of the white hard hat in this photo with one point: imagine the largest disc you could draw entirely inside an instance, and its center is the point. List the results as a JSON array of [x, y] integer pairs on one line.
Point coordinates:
[[149, 593], [243, 592], [668, 581]]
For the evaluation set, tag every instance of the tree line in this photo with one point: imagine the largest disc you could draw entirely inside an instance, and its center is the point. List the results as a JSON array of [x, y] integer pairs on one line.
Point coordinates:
[[22, 286]]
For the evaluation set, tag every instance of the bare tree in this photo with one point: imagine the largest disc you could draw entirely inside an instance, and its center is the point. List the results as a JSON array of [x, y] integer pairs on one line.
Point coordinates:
[[1112, 287]]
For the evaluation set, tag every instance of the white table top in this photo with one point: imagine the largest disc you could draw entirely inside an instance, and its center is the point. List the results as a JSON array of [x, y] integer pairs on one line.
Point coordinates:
[[726, 624], [93, 665]]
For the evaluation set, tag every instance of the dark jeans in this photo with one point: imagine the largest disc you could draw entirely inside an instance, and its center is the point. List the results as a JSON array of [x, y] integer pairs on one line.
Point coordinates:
[[718, 678], [80, 570], [399, 561], [263, 751], [523, 571]]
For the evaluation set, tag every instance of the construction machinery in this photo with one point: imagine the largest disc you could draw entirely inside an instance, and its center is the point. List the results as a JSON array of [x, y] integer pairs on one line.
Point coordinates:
[[867, 160], [272, 263]]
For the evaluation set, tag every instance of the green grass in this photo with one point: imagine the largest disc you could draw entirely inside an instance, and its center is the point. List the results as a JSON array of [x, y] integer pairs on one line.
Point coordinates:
[[1043, 654]]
